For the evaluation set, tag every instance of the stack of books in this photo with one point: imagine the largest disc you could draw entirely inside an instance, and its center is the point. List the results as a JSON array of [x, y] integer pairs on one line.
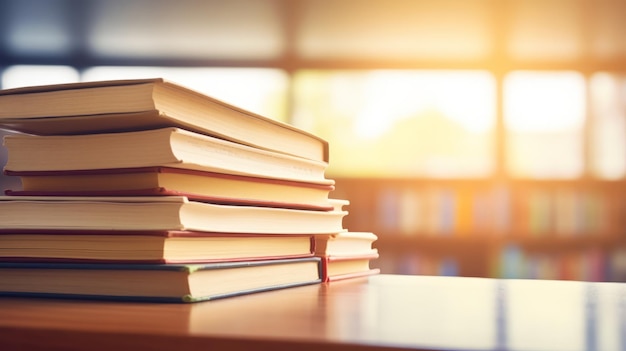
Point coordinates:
[[146, 190]]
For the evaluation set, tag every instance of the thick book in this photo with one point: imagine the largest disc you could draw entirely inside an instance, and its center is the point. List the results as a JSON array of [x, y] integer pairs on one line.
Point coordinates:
[[155, 282], [149, 247], [162, 213], [124, 105], [171, 147], [157, 181]]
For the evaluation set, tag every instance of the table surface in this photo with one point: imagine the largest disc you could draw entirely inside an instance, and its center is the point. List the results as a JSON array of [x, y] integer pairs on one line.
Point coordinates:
[[375, 313]]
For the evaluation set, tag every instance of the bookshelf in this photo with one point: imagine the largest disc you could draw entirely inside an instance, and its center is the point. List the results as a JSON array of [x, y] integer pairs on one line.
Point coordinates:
[[544, 229]]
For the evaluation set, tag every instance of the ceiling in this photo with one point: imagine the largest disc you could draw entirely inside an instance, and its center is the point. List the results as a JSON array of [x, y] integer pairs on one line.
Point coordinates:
[[314, 33]]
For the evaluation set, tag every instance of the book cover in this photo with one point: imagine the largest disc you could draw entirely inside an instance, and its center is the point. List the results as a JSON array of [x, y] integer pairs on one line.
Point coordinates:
[[155, 282]]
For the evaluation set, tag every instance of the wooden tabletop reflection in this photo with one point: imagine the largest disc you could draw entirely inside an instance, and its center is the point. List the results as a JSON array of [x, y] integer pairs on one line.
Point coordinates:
[[379, 312]]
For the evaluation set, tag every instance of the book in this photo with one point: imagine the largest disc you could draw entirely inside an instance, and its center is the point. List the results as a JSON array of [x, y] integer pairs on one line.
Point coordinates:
[[346, 254], [196, 185], [172, 147], [155, 282], [346, 267], [161, 213], [344, 243], [125, 105], [149, 247]]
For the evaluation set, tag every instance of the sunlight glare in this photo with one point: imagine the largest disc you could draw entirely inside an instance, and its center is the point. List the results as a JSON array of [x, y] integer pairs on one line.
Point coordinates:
[[465, 97], [30, 75], [544, 101]]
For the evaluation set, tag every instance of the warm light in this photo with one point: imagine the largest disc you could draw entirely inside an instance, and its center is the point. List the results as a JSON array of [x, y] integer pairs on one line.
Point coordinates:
[[539, 101], [544, 115], [434, 123], [608, 132], [28, 75], [394, 95]]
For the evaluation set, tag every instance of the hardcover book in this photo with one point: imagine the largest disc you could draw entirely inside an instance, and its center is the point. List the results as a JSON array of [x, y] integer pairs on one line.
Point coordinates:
[[169, 147], [155, 282], [196, 185], [345, 244], [345, 267], [161, 213], [149, 247], [125, 105]]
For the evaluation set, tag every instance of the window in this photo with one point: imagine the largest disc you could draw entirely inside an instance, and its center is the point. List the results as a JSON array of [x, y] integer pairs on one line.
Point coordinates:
[[25, 75], [401, 123], [608, 130], [544, 119]]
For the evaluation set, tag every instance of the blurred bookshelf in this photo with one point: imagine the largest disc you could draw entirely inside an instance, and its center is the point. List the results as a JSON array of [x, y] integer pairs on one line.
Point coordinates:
[[538, 229]]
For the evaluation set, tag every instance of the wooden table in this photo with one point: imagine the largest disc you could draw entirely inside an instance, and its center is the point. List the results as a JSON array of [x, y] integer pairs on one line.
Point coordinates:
[[377, 313]]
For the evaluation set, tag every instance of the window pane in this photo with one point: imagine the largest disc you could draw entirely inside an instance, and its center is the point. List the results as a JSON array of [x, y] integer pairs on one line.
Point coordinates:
[[400, 123], [26, 75], [263, 91], [544, 117], [37, 28], [608, 133]]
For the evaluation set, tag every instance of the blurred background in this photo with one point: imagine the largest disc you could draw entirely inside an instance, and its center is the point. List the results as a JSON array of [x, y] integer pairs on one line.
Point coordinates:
[[474, 137]]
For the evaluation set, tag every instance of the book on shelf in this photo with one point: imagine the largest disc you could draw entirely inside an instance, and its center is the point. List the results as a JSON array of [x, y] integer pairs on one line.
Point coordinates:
[[168, 147], [162, 213], [124, 105], [346, 255], [155, 282], [197, 185], [149, 246]]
